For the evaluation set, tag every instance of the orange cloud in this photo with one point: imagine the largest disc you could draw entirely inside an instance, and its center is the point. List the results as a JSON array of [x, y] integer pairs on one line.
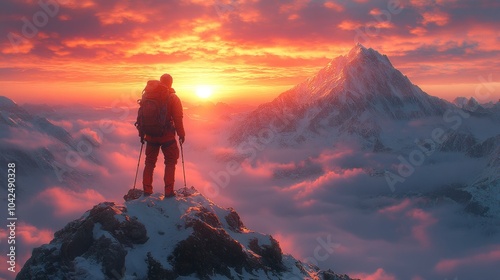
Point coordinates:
[[123, 161], [375, 12], [251, 15], [334, 6], [336, 154], [264, 170], [68, 202], [287, 243], [64, 17], [78, 4], [33, 236], [419, 231], [353, 25], [437, 17], [18, 45], [349, 25], [379, 274], [121, 13], [86, 43], [446, 2], [305, 188], [293, 6], [491, 256], [398, 208], [419, 31]]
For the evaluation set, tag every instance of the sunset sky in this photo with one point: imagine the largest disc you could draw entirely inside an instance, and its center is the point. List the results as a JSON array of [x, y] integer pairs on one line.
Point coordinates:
[[246, 50]]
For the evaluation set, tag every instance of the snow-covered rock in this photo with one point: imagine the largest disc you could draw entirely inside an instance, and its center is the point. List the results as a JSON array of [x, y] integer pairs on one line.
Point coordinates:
[[186, 237]]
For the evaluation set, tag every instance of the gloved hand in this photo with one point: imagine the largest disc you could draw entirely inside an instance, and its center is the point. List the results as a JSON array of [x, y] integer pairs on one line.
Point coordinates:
[[142, 140], [182, 139]]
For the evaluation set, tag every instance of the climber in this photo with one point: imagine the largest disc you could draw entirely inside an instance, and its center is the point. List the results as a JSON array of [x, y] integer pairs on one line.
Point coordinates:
[[158, 121]]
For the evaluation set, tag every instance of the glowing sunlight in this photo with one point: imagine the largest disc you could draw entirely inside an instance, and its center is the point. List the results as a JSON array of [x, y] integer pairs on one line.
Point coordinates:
[[204, 92]]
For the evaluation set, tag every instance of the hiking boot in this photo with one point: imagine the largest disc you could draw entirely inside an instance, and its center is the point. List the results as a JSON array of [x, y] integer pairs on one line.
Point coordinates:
[[172, 194], [147, 194], [148, 189], [132, 194], [169, 190]]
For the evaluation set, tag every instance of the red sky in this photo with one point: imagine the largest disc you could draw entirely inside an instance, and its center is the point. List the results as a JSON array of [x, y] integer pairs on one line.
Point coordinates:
[[252, 50]]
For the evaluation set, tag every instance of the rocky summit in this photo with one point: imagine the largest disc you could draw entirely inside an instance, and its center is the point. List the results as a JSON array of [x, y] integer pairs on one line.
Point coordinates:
[[185, 237]]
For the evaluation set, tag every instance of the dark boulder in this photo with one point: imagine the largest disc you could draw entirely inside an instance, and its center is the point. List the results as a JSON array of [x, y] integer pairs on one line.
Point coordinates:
[[234, 221]]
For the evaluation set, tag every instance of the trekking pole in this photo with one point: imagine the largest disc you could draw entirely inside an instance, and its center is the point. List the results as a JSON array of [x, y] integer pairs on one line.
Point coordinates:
[[137, 171], [183, 169]]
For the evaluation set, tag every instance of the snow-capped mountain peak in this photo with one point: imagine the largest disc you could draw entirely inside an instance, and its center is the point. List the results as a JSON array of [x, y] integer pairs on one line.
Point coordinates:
[[362, 85], [151, 237], [335, 73], [359, 52]]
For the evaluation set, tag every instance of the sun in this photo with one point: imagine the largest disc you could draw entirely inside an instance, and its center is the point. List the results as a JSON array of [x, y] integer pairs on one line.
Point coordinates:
[[204, 92]]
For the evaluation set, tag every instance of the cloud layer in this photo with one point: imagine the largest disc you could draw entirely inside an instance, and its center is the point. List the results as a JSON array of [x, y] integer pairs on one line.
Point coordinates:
[[322, 203]]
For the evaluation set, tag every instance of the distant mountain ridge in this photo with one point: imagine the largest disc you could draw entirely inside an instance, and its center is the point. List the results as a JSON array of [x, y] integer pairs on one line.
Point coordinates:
[[44, 159], [348, 95], [14, 115], [153, 238]]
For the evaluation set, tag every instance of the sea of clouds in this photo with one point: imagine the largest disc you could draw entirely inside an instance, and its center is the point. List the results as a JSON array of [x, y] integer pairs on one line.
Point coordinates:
[[323, 203]]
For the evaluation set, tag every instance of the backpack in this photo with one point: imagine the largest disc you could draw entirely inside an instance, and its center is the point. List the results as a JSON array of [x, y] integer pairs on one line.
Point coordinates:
[[153, 118]]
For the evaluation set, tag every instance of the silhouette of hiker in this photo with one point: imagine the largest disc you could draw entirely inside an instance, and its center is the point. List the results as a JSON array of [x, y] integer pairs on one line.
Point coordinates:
[[165, 142]]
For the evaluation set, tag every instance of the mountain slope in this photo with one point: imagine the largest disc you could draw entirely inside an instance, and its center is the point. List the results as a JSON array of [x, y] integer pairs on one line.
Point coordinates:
[[35, 143], [13, 115], [150, 238], [485, 190], [347, 96]]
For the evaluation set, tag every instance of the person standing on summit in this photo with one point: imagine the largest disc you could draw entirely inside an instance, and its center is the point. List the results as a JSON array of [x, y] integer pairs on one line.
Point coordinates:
[[159, 119]]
